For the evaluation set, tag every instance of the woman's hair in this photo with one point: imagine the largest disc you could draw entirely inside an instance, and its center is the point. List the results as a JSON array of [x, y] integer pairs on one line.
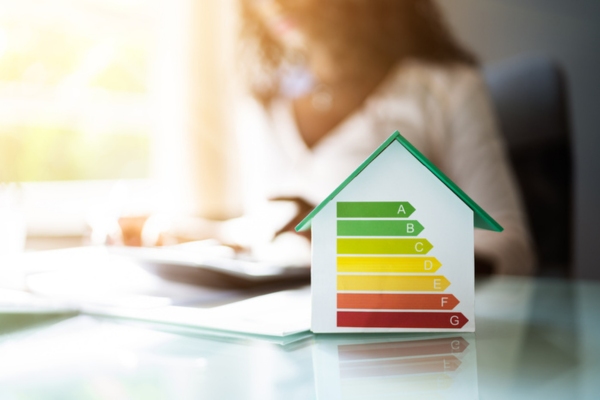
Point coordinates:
[[390, 30]]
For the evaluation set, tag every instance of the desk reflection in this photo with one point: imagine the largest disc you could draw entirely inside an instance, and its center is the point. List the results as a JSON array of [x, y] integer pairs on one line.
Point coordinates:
[[399, 367]]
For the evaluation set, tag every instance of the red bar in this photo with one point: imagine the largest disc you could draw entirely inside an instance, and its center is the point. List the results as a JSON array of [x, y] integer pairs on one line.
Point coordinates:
[[350, 352], [395, 367], [374, 301], [434, 320]]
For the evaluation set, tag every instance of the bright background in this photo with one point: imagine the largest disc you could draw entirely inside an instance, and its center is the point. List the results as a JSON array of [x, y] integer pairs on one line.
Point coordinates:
[[115, 106], [74, 89]]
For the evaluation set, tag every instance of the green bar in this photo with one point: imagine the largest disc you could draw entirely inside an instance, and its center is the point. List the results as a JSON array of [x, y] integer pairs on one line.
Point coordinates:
[[378, 227], [374, 209], [383, 246]]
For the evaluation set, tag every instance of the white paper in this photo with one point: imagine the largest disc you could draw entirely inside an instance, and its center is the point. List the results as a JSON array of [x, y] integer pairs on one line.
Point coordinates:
[[276, 314]]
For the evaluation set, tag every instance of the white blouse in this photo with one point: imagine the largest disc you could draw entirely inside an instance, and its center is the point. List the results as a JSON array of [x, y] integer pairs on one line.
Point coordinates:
[[443, 111]]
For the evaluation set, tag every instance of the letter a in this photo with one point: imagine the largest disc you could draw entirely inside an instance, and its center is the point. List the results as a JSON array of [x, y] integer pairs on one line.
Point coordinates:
[[401, 209]]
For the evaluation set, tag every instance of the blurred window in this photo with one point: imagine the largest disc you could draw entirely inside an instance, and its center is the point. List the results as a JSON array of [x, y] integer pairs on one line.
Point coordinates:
[[74, 89]]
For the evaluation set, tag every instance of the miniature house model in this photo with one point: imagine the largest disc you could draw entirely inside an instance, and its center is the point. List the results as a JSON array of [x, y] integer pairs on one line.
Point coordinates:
[[392, 248]]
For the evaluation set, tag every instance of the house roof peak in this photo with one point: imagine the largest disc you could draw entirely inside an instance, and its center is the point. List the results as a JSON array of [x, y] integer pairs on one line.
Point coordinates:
[[481, 218]]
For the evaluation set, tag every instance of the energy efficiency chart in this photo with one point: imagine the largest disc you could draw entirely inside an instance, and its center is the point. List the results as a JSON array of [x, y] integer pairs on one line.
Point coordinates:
[[393, 248], [385, 275]]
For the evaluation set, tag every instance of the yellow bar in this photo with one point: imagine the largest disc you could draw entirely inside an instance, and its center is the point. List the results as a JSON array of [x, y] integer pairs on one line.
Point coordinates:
[[391, 283], [418, 246], [388, 264]]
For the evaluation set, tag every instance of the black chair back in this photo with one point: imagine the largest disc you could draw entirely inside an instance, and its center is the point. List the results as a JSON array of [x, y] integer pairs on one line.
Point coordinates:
[[530, 97]]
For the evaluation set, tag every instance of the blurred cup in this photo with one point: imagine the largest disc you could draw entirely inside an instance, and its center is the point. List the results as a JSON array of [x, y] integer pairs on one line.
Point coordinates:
[[13, 226]]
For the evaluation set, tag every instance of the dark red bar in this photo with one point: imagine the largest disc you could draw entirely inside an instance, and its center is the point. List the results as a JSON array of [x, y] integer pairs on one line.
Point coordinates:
[[434, 320]]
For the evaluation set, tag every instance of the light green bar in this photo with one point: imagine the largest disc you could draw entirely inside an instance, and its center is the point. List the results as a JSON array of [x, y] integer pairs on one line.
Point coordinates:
[[383, 246], [349, 227]]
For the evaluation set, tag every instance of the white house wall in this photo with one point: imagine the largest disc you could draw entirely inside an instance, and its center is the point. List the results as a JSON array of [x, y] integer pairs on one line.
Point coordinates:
[[396, 175]]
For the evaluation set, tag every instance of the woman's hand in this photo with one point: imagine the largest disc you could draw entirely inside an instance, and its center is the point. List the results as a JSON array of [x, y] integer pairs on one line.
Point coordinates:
[[162, 230], [303, 209]]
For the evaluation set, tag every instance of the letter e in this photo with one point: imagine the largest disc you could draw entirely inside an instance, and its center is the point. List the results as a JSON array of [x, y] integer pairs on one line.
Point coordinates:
[[437, 283]]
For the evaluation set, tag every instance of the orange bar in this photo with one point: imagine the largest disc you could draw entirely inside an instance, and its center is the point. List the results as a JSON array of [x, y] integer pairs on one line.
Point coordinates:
[[375, 301], [392, 283]]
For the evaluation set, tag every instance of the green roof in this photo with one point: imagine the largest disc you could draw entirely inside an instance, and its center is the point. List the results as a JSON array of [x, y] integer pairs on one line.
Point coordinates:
[[481, 218]]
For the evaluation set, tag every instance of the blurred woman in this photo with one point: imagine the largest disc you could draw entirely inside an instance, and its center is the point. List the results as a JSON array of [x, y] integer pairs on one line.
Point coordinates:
[[333, 79]]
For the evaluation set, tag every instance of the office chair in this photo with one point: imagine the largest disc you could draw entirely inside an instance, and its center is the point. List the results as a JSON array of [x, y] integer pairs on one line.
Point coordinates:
[[530, 96]]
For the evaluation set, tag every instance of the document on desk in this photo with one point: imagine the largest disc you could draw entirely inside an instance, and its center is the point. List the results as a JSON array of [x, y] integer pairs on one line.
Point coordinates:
[[276, 314], [96, 282]]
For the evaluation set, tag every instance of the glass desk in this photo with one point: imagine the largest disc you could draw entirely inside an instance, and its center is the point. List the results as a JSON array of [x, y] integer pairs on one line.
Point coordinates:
[[535, 339]]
